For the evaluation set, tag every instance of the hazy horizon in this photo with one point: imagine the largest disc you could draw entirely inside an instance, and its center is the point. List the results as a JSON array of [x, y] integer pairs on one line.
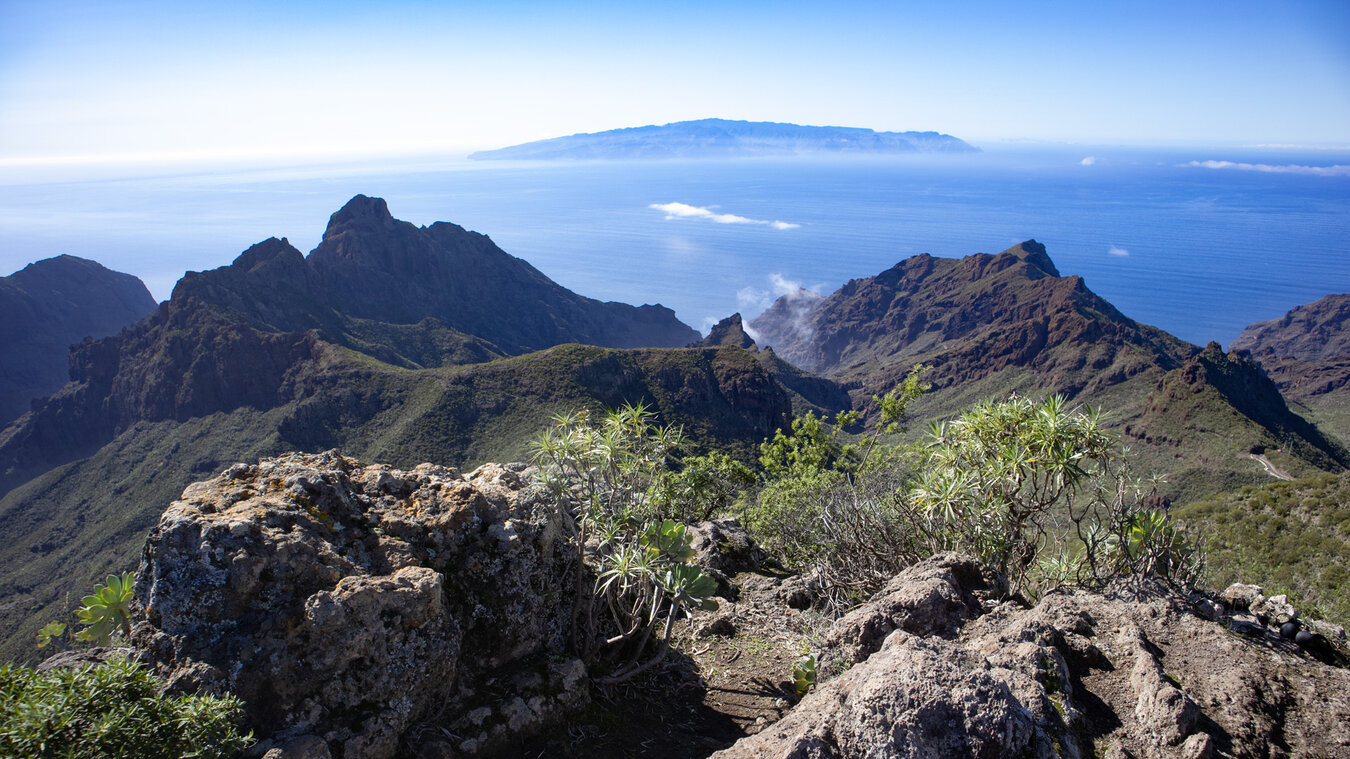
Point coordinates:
[[84, 83]]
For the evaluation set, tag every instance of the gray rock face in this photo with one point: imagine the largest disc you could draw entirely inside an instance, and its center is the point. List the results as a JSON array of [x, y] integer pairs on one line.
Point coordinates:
[[1134, 672], [346, 603]]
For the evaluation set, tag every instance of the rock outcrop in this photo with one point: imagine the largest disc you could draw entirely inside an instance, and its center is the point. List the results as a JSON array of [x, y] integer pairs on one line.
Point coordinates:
[[729, 331], [48, 306], [348, 603], [938, 666]]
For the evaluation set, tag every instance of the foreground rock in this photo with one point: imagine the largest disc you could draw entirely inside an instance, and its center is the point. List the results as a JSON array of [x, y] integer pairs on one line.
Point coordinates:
[[937, 666], [348, 604]]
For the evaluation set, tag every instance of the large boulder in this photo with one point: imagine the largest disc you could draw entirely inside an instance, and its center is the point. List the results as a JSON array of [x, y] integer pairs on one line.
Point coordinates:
[[939, 665], [347, 604]]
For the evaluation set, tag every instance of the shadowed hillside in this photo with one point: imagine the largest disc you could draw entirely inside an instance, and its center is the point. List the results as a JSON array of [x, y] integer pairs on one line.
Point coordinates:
[[50, 305]]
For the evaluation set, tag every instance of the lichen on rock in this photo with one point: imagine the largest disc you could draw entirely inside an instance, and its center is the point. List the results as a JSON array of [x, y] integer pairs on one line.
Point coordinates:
[[349, 603]]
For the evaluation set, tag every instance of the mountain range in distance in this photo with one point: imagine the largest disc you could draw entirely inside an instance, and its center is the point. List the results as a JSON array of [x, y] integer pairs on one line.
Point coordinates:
[[403, 344], [722, 138]]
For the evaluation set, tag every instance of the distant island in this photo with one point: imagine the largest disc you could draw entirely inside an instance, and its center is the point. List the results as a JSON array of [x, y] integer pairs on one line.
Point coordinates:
[[720, 138]]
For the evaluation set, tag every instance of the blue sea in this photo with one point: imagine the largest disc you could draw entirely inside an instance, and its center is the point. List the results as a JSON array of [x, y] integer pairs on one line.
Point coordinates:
[[1197, 241]]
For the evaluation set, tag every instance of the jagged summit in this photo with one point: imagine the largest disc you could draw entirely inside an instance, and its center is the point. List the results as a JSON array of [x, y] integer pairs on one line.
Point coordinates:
[[1034, 253], [729, 331], [371, 266], [971, 316], [360, 208]]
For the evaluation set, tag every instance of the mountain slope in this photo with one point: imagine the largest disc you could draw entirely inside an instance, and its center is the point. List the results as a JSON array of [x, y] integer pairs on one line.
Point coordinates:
[[720, 138], [988, 325], [1307, 354], [1312, 332], [50, 305], [967, 318]]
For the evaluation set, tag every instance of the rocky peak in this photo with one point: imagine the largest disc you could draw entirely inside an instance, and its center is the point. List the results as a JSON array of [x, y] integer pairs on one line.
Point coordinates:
[[360, 210], [265, 251], [729, 331], [1034, 253], [975, 315]]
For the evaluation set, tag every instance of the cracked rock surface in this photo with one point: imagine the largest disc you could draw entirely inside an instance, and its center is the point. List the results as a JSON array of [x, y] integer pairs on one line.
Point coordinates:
[[936, 666], [348, 604]]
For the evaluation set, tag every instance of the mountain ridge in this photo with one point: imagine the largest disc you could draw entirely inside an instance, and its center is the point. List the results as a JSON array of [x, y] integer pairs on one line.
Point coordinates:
[[990, 324]]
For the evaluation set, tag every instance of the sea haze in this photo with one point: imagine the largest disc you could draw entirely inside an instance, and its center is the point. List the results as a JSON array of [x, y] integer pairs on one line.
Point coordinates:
[[1198, 241]]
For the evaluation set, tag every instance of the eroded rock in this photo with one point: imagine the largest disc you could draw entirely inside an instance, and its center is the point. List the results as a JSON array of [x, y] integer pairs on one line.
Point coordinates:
[[959, 671], [346, 603]]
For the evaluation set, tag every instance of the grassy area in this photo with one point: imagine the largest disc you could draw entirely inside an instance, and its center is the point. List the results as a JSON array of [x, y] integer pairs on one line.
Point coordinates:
[[1287, 537]]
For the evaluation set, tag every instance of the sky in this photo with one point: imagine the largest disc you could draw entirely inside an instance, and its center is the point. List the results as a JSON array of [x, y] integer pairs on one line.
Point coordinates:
[[90, 82]]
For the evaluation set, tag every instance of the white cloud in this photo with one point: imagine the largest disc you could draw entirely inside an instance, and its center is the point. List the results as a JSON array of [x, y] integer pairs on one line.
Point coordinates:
[[1116, 250], [750, 298], [1319, 171], [791, 289], [686, 211], [1088, 161]]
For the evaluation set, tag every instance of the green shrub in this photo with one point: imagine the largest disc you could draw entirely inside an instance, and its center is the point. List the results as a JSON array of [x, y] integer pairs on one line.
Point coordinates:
[[112, 710], [1036, 490], [612, 481]]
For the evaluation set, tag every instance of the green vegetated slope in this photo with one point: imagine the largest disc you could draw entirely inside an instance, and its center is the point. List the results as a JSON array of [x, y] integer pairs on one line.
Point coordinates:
[[68, 527], [1287, 537], [989, 325]]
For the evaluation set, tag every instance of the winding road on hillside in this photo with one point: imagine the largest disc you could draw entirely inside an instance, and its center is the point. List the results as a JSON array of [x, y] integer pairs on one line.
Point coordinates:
[[1271, 470]]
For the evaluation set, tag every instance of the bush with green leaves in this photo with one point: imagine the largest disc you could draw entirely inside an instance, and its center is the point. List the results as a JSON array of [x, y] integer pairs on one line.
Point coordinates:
[[1041, 492], [824, 501], [615, 487], [111, 710], [1037, 490]]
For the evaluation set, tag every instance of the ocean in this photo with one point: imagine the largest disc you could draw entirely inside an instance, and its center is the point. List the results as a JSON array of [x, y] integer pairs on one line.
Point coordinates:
[[1200, 242]]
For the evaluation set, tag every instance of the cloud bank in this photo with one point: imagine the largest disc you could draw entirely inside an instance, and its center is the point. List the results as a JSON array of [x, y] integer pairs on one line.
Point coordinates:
[[686, 211], [1090, 160], [1318, 171]]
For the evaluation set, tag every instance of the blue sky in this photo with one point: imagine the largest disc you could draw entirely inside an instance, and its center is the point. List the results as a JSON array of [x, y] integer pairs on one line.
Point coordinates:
[[82, 81]]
